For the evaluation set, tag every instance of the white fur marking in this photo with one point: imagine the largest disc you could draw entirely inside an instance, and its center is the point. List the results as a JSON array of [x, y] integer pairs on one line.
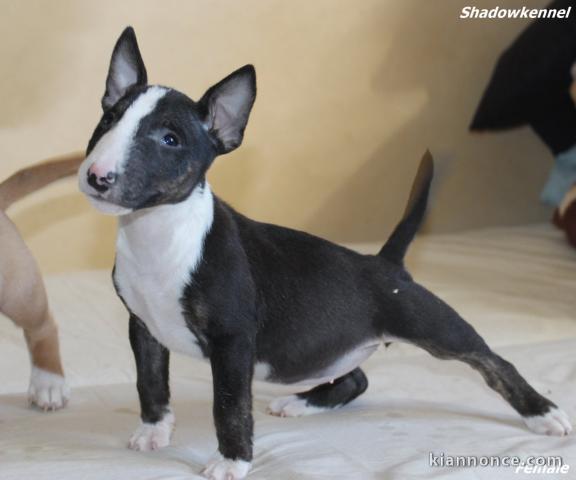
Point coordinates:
[[555, 422], [261, 371], [345, 364], [47, 390], [112, 149], [108, 208], [152, 436], [292, 406], [395, 291], [220, 468], [157, 251]]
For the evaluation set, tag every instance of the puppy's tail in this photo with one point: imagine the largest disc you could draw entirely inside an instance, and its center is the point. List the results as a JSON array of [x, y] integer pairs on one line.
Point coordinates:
[[395, 248], [30, 179]]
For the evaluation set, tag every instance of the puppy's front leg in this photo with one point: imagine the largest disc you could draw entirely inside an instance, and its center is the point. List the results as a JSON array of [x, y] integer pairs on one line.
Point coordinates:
[[232, 361], [152, 363]]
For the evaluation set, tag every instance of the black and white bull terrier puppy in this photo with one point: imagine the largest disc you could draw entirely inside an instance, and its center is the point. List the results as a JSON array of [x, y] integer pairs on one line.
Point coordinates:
[[255, 300]]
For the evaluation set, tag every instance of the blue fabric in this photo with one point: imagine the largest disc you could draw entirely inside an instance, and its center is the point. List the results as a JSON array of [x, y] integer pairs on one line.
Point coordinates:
[[561, 178]]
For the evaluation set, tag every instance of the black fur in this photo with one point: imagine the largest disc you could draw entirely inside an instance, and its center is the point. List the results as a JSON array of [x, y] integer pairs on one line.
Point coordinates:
[[264, 293], [338, 392], [152, 364], [396, 246]]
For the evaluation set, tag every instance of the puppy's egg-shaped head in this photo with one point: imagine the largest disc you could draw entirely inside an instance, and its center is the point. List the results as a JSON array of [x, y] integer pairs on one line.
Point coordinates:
[[153, 145]]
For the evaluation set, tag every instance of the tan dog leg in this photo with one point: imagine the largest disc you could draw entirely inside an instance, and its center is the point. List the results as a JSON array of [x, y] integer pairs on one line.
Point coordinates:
[[23, 299], [48, 389]]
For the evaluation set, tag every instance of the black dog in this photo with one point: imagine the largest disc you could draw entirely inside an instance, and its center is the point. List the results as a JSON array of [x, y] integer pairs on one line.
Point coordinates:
[[255, 299]]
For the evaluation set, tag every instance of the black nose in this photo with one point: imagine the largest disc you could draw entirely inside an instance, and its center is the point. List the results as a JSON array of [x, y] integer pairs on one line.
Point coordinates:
[[101, 184]]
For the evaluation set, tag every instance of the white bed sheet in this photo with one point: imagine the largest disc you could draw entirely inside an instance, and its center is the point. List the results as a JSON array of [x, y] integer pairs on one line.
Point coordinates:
[[517, 286]]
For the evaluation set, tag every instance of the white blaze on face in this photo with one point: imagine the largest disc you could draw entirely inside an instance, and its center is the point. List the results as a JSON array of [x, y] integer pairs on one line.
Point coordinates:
[[111, 151]]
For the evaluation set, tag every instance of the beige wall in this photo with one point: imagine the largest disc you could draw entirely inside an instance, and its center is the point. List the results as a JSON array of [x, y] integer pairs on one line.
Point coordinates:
[[350, 95]]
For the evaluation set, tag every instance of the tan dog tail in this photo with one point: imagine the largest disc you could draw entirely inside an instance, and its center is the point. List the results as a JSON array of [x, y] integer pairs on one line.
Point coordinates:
[[32, 178]]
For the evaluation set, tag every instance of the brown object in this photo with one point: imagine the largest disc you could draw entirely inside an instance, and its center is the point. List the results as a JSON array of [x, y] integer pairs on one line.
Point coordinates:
[[30, 179], [565, 216], [22, 293]]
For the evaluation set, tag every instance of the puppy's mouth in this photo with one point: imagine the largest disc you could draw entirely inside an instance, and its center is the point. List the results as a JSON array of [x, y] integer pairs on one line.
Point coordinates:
[[106, 206], [99, 197]]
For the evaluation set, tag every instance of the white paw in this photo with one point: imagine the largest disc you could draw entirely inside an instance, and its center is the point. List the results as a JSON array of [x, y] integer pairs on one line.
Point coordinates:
[[47, 390], [220, 468], [152, 436], [291, 406], [555, 422]]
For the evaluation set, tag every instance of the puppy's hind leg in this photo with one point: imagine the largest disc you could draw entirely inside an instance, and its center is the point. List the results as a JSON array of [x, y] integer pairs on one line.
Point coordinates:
[[428, 322], [48, 389], [23, 299], [323, 397]]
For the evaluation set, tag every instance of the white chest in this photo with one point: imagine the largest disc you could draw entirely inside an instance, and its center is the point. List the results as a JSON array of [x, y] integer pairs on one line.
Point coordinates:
[[156, 299], [157, 254]]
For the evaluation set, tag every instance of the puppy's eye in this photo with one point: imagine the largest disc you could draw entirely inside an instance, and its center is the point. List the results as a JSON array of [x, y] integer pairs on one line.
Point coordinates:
[[171, 140], [107, 119]]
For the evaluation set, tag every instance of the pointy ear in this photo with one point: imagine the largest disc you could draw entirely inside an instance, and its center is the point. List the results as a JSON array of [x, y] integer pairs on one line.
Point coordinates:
[[126, 69], [227, 106]]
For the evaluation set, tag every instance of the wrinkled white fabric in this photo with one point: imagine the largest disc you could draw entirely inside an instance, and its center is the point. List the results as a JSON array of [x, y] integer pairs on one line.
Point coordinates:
[[517, 286]]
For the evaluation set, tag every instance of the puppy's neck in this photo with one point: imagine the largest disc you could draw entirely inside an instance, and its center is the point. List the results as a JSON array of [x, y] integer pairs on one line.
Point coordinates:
[[167, 232]]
